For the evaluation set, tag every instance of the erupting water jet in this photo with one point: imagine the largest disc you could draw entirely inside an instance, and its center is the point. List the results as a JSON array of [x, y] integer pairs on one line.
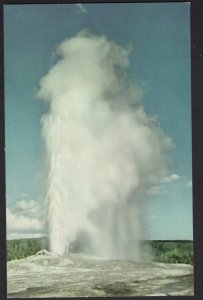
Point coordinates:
[[103, 151]]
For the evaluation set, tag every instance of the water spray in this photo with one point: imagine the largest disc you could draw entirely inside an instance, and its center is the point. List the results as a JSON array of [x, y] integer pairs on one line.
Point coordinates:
[[103, 152]]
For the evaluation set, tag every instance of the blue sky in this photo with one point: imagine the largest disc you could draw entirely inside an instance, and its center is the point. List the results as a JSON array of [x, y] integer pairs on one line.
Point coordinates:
[[159, 35]]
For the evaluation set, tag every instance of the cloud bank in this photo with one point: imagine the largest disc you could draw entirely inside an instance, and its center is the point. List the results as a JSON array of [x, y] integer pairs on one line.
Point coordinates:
[[24, 217], [103, 151], [171, 178]]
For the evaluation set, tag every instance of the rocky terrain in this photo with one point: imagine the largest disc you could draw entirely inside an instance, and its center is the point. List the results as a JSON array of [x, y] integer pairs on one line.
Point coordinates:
[[76, 275]]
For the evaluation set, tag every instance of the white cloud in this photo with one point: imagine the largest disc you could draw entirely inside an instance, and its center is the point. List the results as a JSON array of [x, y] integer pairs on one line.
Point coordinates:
[[25, 216], [158, 188], [26, 204], [19, 222], [27, 207], [171, 178], [81, 8], [189, 184]]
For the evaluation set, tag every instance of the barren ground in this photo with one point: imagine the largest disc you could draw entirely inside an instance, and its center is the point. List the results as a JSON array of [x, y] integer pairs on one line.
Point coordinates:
[[81, 276]]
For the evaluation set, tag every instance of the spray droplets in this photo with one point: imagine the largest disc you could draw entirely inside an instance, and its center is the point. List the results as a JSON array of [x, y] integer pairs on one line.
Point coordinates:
[[101, 152]]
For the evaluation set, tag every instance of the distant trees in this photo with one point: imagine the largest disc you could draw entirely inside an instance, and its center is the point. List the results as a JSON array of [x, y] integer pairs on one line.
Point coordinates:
[[21, 248], [159, 251], [170, 251]]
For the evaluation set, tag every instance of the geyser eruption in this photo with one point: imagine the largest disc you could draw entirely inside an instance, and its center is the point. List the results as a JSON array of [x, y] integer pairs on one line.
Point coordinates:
[[103, 151]]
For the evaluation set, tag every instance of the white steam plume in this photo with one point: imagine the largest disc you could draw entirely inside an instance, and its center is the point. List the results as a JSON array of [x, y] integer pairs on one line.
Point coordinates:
[[103, 151]]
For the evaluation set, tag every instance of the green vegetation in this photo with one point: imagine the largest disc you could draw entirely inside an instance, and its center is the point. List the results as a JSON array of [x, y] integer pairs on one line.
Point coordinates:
[[169, 251], [159, 251], [21, 248]]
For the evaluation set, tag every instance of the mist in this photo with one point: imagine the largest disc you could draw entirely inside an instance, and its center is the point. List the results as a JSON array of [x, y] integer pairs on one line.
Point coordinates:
[[103, 151]]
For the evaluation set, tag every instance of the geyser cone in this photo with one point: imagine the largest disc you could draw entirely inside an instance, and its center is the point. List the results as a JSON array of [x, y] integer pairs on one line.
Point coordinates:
[[102, 149]]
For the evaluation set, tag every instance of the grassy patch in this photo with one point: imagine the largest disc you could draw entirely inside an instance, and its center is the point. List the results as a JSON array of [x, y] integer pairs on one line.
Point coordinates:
[[169, 251], [159, 251], [21, 248]]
